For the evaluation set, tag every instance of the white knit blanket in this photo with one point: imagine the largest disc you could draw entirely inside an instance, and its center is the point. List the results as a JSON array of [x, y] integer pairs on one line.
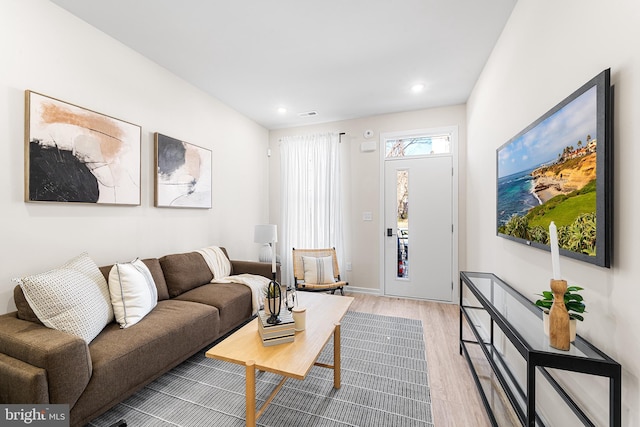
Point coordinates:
[[220, 266], [217, 261], [255, 282]]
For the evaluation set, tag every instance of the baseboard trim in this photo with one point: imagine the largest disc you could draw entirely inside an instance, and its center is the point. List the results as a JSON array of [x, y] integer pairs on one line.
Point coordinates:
[[357, 290]]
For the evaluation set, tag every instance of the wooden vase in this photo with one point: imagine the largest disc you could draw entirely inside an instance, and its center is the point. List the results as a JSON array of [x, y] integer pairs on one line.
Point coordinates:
[[573, 325], [559, 334]]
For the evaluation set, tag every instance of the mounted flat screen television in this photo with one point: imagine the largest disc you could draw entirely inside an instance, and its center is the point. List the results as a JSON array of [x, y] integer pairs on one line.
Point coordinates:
[[559, 169]]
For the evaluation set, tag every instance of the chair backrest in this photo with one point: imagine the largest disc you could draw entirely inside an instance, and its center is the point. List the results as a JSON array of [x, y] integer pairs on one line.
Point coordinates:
[[298, 266]]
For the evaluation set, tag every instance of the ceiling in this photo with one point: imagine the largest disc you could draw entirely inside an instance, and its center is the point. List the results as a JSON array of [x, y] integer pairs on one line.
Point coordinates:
[[343, 59]]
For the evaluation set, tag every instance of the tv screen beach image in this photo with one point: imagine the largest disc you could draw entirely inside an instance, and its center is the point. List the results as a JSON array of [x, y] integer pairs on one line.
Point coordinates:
[[548, 173]]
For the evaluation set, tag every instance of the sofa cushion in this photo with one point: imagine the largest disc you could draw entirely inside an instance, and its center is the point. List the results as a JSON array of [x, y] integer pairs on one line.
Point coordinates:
[[183, 272], [124, 360], [153, 264], [73, 298], [133, 292], [233, 301], [252, 267], [24, 309]]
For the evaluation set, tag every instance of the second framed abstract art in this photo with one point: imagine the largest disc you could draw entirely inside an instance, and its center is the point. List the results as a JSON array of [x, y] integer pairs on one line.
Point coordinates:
[[183, 174]]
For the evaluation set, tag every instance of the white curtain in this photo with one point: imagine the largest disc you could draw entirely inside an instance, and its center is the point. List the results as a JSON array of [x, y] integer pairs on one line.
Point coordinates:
[[311, 211]]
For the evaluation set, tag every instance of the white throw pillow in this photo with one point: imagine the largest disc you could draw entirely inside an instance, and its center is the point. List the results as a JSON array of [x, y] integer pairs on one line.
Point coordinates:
[[133, 292], [73, 298], [318, 270]]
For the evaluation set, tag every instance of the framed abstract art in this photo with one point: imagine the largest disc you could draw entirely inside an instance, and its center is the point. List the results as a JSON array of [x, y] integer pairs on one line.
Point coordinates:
[[73, 154], [183, 174]]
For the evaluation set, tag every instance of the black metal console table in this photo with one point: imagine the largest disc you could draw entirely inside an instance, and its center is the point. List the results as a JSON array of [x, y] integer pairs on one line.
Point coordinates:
[[486, 302]]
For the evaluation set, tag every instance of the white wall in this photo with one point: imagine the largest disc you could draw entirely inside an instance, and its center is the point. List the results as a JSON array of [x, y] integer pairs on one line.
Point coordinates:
[[45, 49], [362, 182], [547, 50]]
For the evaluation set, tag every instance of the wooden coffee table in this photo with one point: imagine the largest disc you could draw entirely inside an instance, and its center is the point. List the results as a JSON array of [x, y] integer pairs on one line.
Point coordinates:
[[291, 360]]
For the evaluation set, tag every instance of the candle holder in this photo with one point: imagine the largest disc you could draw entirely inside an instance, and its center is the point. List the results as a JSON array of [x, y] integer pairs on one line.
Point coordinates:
[[559, 333], [274, 302]]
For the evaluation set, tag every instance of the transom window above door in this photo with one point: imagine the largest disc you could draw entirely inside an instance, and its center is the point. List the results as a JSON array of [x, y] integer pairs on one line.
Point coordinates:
[[423, 145]]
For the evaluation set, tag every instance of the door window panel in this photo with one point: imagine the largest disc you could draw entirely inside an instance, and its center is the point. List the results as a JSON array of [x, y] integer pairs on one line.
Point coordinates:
[[402, 222], [418, 146]]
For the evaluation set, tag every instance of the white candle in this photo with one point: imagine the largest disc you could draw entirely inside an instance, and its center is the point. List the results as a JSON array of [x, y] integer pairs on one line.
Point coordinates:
[[273, 259], [555, 251]]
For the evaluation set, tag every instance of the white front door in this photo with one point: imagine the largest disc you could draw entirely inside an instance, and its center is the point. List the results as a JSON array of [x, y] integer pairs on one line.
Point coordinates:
[[418, 242]]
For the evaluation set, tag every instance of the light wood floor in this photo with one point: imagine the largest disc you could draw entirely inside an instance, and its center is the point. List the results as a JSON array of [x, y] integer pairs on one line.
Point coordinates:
[[455, 400]]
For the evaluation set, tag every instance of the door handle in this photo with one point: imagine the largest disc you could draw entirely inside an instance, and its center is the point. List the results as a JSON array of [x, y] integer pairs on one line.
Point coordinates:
[[389, 232]]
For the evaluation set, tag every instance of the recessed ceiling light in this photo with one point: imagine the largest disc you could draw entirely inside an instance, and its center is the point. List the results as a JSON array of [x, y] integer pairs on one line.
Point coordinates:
[[282, 110], [417, 88]]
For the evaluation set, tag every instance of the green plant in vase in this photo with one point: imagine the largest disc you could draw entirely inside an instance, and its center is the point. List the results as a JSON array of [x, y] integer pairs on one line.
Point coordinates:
[[573, 301], [269, 292]]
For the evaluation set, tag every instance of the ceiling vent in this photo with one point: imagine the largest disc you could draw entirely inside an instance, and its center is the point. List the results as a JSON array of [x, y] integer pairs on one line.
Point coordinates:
[[308, 114]]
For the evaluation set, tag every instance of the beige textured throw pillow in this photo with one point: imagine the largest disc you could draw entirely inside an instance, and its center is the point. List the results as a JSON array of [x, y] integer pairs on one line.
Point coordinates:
[[318, 270], [133, 292], [73, 298]]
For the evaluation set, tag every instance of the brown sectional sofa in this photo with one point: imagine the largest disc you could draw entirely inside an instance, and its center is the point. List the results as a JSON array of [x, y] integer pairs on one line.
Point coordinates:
[[40, 365]]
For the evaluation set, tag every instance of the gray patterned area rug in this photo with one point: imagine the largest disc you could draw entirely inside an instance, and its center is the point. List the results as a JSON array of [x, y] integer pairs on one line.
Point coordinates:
[[384, 383]]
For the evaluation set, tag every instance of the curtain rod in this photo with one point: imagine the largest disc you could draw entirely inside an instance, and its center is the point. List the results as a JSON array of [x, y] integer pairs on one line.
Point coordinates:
[[339, 137]]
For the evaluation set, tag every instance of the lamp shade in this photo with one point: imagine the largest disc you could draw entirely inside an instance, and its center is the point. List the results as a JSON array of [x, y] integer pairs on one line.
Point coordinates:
[[265, 233]]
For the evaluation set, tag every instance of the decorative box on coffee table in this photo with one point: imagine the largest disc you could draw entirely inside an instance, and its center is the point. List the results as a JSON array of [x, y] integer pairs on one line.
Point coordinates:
[[279, 333]]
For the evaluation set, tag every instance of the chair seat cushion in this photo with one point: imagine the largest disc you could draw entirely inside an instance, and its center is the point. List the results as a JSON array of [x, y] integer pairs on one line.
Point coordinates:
[[320, 286]]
